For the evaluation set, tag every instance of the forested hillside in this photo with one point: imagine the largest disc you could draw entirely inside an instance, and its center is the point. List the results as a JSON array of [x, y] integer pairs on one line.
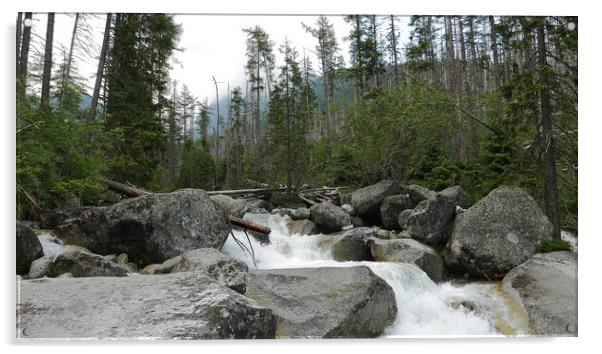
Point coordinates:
[[479, 101]]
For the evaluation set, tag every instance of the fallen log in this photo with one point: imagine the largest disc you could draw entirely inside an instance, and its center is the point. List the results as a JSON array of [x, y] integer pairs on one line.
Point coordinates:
[[246, 191], [307, 200], [128, 190], [132, 191]]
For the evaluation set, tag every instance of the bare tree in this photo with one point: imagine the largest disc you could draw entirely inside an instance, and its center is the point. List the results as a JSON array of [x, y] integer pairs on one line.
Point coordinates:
[[101, 66], [44, 101], [23, 58], [549, 149]]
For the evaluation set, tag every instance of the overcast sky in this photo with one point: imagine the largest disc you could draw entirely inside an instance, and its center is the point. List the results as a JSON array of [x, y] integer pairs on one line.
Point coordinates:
[[210, 45]]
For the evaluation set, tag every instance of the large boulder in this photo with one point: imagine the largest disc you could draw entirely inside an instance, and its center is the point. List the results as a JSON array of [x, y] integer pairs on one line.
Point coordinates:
[[85, 264], [458, 194], [29, 247], [152, 228], [350, 302], [227, 271], [408, 251], [231, 206], [546, 286], [51, 218], [431, 220], [417, 193], [187, 305], [329, 217], [391, 207], [353, 245], [496, 234], [302, 227], [366, 201]]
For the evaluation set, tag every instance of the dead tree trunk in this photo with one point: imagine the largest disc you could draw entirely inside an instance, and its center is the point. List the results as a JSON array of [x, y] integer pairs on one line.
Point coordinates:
[[23, 58], [101, 66], [67, 72], [549, 149], [45, 99]]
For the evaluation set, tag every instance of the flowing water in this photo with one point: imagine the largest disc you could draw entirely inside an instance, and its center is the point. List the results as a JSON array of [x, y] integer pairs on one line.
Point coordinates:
[[424, 308]]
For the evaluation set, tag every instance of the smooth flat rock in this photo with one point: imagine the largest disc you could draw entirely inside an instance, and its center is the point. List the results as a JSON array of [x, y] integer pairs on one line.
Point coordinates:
[[187, 305]]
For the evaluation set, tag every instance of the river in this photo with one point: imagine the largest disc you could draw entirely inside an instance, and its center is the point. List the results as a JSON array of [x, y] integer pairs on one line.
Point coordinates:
[[424, 308]]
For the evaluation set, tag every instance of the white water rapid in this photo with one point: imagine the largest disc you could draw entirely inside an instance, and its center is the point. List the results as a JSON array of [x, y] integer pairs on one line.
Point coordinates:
[[424, 308]]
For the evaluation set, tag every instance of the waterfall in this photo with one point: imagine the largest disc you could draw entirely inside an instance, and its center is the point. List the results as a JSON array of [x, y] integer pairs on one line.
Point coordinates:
[[424, 308]]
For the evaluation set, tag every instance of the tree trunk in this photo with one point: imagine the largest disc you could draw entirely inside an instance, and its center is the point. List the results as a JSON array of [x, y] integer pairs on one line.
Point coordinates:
[[358, 43], [18, 41], [172, 126], [289, 179], [325, 74], [496, 80], [394, 50], [217, 121], [101, 65], [466, 82], [67, 72], [475, 75], [258, 114], [375, 55], [45, 99], [549, 152], [23, 59]]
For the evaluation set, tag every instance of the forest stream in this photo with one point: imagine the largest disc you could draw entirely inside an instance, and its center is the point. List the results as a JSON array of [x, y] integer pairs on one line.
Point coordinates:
[[424, 308]]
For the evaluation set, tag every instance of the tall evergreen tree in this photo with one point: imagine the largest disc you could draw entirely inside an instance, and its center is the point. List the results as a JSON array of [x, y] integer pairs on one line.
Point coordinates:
[[139, 69]]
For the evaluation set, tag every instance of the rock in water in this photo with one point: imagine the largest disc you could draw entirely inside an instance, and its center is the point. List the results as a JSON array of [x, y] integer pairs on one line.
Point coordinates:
[[236, 207], [329, 217], [408, 251], [84, 264], [29, 247], [391, 207], [366, 201], [349, 302], [300, 214], [546, 286], [39, 267], [227, 271], [496, 234], [353, 245], [302, 227], [152, 228], [431, 221], [187, 305]]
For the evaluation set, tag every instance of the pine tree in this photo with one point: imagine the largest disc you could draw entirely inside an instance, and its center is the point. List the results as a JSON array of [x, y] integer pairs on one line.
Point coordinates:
[[139, 69]]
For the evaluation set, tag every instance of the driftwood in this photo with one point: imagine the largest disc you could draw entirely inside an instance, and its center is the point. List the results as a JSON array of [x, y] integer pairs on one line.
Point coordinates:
[[319, 195], [247, 191], [132, 191]]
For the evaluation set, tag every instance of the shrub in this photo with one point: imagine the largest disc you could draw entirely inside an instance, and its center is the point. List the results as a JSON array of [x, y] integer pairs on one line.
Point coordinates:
[[553, 245]]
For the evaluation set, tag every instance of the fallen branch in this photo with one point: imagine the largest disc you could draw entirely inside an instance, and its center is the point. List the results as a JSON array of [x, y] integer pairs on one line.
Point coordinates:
[[248, 225], [246, 191], [307, 200]]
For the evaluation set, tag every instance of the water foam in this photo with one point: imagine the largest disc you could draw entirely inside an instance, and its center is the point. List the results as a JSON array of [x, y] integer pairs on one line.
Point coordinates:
[[424, 308]]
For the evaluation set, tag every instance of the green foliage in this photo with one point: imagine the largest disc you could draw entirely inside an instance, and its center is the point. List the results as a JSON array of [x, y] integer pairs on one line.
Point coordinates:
[[58, 157], [553, 245], [197, 169], [139, 69]]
